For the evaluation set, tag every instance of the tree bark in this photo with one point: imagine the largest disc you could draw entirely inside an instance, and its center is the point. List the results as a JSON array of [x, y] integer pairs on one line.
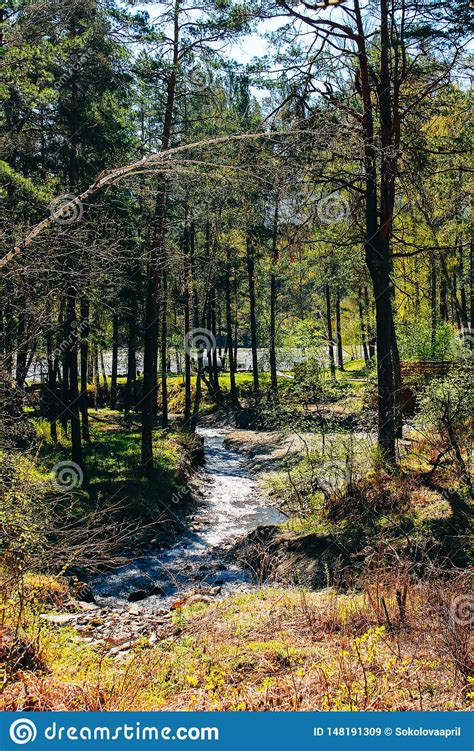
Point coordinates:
[[230, 347], [462, 286], [273, 299], [104, 377], [131, 357], [95, 366], [73, 401], [214, 362], [8, 339], [433, 299], [64, 415], [51, 386], [114, 369], [187, 323], [84, 358], [377, 236], [340, 353], [443, 299], [157, 272], [332, 365], [253, 315], [21, 349], [371, 339], [198, 392], [164, 334], [363, 331]]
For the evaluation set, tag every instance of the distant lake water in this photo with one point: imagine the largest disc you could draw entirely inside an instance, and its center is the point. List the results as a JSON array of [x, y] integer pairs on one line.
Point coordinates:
[[286, 359]]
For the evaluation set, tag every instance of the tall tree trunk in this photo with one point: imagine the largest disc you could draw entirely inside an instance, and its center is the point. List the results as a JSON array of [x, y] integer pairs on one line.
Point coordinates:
[[164, 337], [52, 398], [397, 385], [198, 391], [228, 315], [236, 322], [214, 362], [371, 339], [340, 353], [377, 236], [455, 305], [73, 401], [471, 284], [104, 377], [158, 272], [207, 315], [253, 315], [363, 331], [64, 415], [384, 325], [332, 365], [8, 339], [156, 358], [462, 286], [96, 375], [273, 299], [192, 247], [113, 377], [433, 299], [443, 299], [149, 365], [187, 322], [130, 385], [84, 358], [21, 349]]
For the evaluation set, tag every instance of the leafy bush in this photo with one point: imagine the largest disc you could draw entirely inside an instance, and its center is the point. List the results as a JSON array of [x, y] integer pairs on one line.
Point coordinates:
[[416, 342], [24, 513], [312, 384], [446, 408]]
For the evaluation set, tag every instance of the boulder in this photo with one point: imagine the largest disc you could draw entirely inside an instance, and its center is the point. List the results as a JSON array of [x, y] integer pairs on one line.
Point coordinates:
[[137, 595], [60, 619], [157, 591], [84, 593], [141, 594]]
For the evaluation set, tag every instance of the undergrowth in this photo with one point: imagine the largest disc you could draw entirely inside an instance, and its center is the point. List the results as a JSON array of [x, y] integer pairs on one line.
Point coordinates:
[[268, 650]]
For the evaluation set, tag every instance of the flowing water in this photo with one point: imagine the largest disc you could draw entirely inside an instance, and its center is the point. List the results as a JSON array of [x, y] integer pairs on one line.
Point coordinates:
[[231, 507]]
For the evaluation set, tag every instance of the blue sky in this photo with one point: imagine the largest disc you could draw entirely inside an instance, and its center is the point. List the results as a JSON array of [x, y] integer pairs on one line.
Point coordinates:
[[248, 47]]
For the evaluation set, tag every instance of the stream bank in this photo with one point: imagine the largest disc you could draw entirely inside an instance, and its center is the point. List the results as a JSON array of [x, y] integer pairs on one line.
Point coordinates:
[[134, 603], [231, 506]]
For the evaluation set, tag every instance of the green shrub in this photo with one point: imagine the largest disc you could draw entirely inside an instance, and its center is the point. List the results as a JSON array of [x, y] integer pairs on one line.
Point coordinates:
[[418, 343]]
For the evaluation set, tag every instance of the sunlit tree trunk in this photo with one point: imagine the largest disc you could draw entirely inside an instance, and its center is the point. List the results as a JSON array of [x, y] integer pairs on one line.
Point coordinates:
[[332, 364], [114, 368], [253, 314], [84, 358], [230, 347], [273, 299]]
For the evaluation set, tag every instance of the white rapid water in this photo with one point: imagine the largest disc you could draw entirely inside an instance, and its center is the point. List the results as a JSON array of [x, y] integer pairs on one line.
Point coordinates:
[[231, 507]]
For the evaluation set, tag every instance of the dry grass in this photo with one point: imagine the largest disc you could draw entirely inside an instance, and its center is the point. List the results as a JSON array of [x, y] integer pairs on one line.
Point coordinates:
[[272, 650]]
